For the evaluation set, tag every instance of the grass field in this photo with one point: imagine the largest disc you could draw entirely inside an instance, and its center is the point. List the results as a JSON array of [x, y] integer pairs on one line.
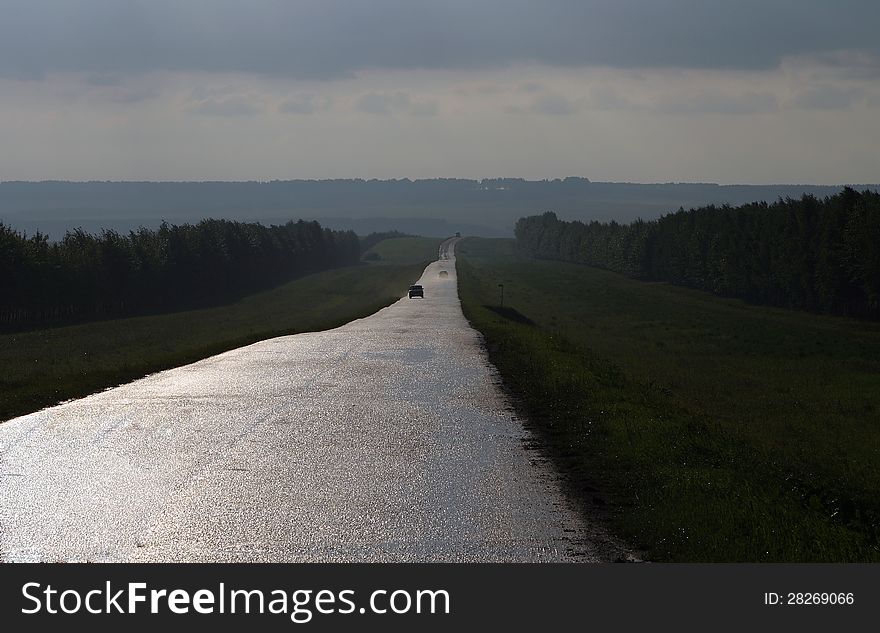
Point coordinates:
[[43, 367], [401, 250], [714, 430]]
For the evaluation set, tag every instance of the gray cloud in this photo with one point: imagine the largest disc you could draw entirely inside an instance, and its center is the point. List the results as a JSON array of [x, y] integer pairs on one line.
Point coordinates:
[[705, 101], [427, 108], [302, 104], [723, 103], [114, 88], [133, 96], [335, 38], [828, 97], [553, 104], [381, 103], [849, 64], [226, 105], [604, 97], [388, 102], [104, 79], [531, 86]]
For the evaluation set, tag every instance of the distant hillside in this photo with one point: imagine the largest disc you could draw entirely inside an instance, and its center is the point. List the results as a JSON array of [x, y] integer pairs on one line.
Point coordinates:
[[428, 207]]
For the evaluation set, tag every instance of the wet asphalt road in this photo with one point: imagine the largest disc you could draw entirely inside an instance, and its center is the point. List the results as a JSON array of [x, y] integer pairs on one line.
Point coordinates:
[[387, 439]]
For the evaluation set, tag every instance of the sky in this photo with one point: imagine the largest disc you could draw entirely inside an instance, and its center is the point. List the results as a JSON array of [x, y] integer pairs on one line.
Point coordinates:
[[729, 91]]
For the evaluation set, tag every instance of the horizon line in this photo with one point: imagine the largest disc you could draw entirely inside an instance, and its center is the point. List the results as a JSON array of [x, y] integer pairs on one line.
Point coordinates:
[[449, 178]]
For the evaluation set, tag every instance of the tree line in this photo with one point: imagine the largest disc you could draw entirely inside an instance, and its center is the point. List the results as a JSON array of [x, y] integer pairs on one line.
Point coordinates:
[[808, 253], [86, 276]]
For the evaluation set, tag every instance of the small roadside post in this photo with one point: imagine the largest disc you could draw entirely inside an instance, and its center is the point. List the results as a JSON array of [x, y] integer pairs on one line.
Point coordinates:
[[502, 295]]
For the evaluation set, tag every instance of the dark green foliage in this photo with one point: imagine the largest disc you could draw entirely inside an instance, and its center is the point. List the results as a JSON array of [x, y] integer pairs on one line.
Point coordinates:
[[85, 277], [811, 254], [709, 429]]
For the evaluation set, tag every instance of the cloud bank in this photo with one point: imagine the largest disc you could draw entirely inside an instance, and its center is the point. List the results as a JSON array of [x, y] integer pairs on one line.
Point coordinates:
[[328, 39]]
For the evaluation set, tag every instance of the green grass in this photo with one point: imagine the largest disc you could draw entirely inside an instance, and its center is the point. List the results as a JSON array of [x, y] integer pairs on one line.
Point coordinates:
[[43, 367], [398, 250], [716, 431]]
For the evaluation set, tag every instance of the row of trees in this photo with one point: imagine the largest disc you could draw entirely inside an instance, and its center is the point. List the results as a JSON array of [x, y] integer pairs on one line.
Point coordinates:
[[87, 276], [811, 254]]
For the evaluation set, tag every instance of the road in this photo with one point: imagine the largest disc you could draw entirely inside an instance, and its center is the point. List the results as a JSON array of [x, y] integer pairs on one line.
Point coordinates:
[[387, 439]]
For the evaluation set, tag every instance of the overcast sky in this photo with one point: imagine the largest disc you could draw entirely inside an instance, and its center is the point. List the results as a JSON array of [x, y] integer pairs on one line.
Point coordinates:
[[629, 90]]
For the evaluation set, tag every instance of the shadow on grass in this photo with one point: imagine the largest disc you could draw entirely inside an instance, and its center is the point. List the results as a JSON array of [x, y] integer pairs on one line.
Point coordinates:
[[511, 314]]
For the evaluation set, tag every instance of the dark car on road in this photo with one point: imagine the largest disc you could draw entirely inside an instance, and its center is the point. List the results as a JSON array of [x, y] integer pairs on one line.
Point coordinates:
[[416, 291]]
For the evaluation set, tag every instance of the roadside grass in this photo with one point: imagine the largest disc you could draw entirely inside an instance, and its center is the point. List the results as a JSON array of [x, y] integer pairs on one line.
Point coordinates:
[[714, 430], [44, 367], [400, 250]]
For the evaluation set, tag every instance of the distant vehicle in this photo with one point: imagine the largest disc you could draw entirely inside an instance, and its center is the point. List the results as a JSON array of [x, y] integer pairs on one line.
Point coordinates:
[[443, 273], [458, 234], [416, 291]]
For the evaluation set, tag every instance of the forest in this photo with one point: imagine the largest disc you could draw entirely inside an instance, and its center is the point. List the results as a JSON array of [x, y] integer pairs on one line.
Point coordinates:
[[96, 276], [812, 254]]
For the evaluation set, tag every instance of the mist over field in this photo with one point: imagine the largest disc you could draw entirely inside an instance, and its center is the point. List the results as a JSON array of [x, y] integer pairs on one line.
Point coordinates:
[[439, 207]]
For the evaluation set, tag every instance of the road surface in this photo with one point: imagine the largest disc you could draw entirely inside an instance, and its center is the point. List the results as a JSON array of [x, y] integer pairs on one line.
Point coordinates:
[[387, 439]]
